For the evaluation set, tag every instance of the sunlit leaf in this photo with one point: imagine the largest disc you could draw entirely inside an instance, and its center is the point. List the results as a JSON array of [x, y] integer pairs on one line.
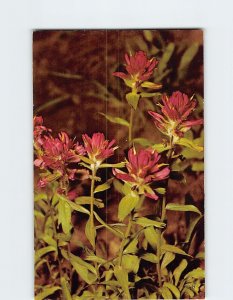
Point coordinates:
[[145, 222], [196, 273], [116, 120], [166, 57], [130, 263], [186, 59], [132, 99], [78, 207], [148, 35], [173, 249], [151, 236], [173, 289], [131, 247], [150, 257], [190, 144], [64, 215], [90, 232], [118, 165], [127, 204], [167, 259], [161, 191], [47, 291], [151, 85], [198, 166], [182, 207], [160, 147], [165, 292], [41, 252], [86, 200], [102, 187], [40, 196], [178, 270], [122, 278], [65, 289], [86, 160], [48, 239]]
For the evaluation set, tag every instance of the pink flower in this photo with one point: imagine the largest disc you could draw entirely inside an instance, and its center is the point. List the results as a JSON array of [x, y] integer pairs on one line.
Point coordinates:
[[139, 68], [173, 119], [97, 148], [143, 168], [39, 131], [56, 154]]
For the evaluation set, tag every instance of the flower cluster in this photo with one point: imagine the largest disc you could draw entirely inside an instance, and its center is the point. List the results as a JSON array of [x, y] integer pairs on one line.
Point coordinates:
[[173, 120], [139, 68], [55, 155], [97, 148], [143, 168]]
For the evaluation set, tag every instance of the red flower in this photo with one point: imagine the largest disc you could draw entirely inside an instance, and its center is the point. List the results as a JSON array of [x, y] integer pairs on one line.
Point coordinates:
[[39, 131], [97, 148], [55, 155], [143, 168], [139, 68], [174, 118]]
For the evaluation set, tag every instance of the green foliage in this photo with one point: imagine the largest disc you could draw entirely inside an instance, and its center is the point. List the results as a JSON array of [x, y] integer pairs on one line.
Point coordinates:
[[127, 204]]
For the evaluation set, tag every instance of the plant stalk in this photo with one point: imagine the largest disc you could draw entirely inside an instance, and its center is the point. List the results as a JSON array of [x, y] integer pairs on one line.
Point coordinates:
[[131, 125], [127, 232], [92, 198]]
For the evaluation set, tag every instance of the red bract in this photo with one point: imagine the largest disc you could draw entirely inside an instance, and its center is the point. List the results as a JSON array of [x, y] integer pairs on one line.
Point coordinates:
[[174, 118], [138, 66], [56, 154], [39, 131], [97, 148], [143, 168]]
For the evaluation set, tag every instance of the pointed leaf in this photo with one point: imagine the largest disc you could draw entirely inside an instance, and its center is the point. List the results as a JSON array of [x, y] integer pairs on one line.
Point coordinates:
[[127, 204], [196, 273], [182, 207], [116, 120], [151, 236], [47, 291], [151, 257], [173, 249], [90, 232], [151, 85], [132, 99], [122, 278], [64, 215], [102, 187], [167, 259], [173, 289], [41, 252], [178, 270], [145, 222], [189, 144], [130, 263], [186, 59], [65, 289], [119, 165]]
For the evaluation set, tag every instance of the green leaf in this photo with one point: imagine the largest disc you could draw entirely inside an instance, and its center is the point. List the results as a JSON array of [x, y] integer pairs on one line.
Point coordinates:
[[189, 144], [160, 147], [65, 289], [78, 207], [161, 191], [86, 160], [90, 232], [182, 207], [87, 200], [132, 99], [94, 258], [47, 291], [116, 120], [148, 95], [178, 270], [127, 204], [113, 230], [102, 187], [173, 289], [122, 278], [198, 166], [85, 270], [186, 59], [196, 273], [150, 257], [188, 293], [130, 263], [119, 165], [48, 239], [41, 252], [142, 141], [151, 85], [117, 185], [192, 227], [64, 215], [40, 196], [126, 189], [167, 259], [173, 249], [151, 236], [131, 247], [145, 222], [165, 292], [166, 57], [148, 35]]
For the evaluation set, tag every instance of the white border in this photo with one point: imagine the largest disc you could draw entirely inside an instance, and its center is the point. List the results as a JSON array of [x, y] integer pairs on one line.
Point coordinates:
[[18, 18]]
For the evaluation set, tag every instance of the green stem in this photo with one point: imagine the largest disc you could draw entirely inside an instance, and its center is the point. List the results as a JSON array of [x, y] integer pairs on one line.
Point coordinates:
[[131, 125], [163, 216], [127, 233], [92, 199]]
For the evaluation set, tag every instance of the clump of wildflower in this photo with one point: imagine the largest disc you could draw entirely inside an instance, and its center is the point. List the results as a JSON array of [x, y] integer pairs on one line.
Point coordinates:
[[173, 120], [98, 149], [139, 68], [143, 168]]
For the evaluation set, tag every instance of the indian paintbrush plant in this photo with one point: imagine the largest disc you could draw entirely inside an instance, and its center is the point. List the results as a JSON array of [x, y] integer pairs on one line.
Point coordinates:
[[146, 265]]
